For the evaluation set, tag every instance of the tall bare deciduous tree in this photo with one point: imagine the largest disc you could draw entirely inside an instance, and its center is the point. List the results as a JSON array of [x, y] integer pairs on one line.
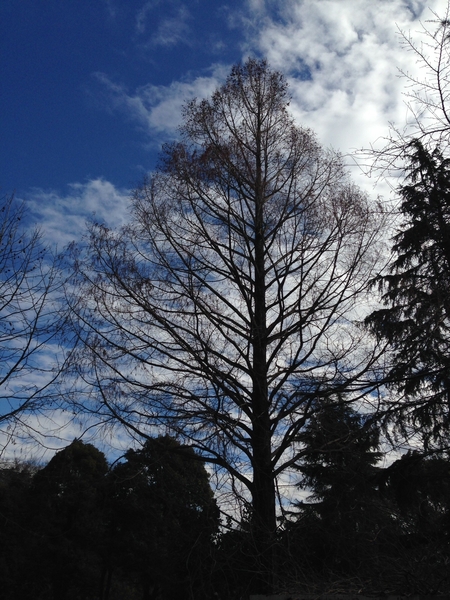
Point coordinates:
[[30, 318], [226, 309]]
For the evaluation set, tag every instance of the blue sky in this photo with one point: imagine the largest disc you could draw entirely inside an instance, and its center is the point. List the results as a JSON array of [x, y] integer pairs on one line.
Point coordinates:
[[90, 89], [58, 125]]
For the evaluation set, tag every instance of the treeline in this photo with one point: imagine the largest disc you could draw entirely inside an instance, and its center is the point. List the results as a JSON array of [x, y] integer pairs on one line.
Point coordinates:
[[149, 527], [79, 528], [366, 527]]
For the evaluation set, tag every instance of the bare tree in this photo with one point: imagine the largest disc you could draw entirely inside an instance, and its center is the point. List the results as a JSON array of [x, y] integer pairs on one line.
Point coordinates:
[[226, 309], [30, 319], [427, 95]]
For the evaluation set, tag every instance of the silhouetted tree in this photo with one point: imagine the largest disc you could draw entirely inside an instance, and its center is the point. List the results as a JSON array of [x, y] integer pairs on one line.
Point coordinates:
[[163, 518], [416, 294], [67, 496], [337, 528], [73, 529], [419, 487], [18, 545], [227, 305]]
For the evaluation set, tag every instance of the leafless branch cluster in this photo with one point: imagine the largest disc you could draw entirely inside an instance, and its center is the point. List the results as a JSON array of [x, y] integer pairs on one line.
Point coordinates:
[[30, 315], [426, 94]]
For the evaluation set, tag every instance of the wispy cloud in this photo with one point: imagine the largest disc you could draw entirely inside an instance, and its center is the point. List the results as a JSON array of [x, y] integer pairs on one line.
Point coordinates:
[[168, 31], [111, 8], [62, 218], [142, 16], [158, 108]]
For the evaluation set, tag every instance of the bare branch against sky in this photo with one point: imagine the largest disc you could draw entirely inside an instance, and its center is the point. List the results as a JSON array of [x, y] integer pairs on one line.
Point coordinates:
[[228, 309], [31, 319]]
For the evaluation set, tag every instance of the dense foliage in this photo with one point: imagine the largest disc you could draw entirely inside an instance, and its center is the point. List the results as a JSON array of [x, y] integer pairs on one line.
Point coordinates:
[[79, 529], [416, 318], [148, 527], [364, 526]]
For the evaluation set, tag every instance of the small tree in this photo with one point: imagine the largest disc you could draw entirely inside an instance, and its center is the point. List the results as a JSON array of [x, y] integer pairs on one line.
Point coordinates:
[[337, 526], [67, 524], [224, 311], [30, 316]]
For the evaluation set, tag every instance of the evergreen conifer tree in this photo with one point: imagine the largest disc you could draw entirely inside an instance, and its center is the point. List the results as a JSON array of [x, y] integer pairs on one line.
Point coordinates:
[[416, 318]]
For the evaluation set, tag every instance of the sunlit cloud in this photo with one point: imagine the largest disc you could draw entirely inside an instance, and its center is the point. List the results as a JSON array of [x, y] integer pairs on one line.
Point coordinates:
[[342, 60]]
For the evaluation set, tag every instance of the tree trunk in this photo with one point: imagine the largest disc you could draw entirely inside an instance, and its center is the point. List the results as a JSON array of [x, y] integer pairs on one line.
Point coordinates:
[[263, 488], [263, 497]]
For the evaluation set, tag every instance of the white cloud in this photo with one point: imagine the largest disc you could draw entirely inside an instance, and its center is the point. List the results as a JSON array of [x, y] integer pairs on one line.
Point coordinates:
[[350, 53], [62, 218], [342, 60], [158, 108]]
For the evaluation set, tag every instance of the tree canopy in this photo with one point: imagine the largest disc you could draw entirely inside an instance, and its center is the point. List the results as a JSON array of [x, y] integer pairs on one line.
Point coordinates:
[[77, 527]]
